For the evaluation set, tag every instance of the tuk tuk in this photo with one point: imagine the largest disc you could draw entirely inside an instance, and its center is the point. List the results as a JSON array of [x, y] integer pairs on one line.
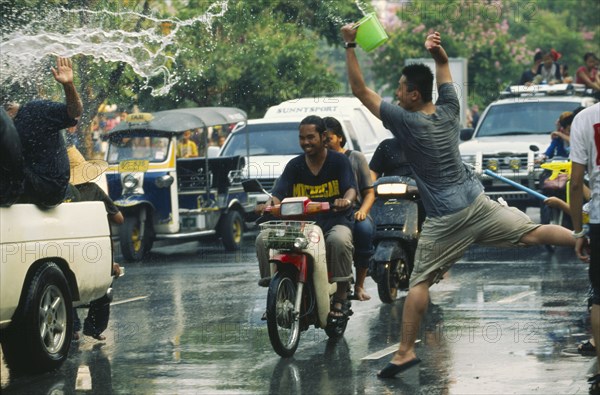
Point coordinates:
[[164, 195]]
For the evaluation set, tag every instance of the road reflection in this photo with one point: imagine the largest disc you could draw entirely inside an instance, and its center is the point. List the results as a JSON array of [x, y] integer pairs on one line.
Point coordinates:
[[87, 371]]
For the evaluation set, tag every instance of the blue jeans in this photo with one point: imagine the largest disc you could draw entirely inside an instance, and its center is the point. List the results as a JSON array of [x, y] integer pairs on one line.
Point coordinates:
[[363, 234]]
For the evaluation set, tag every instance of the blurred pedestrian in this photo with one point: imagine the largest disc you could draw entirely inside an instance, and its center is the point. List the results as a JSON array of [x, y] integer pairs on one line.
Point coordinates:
[[584, 156], [83, 175]]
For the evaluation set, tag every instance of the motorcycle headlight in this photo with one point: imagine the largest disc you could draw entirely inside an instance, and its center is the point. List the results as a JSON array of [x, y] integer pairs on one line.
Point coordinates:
[[391, 189], [129, 181], [295, 208]]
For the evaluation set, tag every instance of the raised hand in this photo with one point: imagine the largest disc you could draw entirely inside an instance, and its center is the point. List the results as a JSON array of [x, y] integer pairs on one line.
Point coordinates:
[[433, 41], [349, 32], [63, 72]]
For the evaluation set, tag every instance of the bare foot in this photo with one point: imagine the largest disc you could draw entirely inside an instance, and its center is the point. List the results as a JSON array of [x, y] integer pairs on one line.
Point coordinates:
[[361, 294], [399, 359]]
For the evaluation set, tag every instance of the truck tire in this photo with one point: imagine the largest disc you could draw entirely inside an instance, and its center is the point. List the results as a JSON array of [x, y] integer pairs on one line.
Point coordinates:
[[232, 230], [133, 246], [39, 337]]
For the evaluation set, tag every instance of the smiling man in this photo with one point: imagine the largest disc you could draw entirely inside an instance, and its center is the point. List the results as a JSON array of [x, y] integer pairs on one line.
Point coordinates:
[[324, 176]]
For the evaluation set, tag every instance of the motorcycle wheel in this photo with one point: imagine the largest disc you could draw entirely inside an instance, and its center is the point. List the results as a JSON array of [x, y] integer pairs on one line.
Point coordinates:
[[396, 276], [282, 321]]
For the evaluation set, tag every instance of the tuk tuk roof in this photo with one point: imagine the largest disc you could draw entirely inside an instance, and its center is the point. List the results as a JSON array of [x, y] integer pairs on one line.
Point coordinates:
[[180, 120]]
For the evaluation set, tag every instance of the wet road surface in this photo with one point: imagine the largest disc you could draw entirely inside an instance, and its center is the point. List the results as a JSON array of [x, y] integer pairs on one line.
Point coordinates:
[[187, 320]]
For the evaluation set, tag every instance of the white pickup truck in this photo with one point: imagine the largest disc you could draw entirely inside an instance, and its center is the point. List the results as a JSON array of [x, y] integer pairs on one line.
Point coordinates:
[[50, 261]]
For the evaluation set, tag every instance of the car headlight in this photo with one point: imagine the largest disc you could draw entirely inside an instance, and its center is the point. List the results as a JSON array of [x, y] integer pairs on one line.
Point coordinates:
[[129, 181], [164, 181]]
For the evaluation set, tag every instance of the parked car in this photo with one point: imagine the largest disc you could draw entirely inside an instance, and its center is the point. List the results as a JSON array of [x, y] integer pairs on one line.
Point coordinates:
[[163, 196], [52, 260], [270, 142], [521, 118]]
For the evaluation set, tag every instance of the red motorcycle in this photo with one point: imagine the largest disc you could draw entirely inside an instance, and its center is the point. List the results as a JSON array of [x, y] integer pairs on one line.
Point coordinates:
[[300, 292]]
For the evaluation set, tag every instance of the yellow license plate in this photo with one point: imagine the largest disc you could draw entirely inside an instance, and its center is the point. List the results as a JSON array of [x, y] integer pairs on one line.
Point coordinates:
[[133, 166]]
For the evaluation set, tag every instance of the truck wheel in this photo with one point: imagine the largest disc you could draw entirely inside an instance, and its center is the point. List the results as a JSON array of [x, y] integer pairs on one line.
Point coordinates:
[[39, 337], [133, 246], [232, 230]]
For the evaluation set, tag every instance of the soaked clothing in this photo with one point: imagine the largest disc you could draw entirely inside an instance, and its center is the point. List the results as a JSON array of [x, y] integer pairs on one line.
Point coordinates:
[[431, 146], [458, 212], [39, 124], [485, 222]]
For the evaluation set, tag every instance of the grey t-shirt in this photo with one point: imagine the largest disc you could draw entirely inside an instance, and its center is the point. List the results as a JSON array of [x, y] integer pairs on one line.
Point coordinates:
[[430, 143], [360, 168]]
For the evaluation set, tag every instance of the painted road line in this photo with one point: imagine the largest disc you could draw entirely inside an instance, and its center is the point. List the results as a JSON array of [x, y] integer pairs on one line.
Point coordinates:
[[384, 352], [516, 297], [129, 300]]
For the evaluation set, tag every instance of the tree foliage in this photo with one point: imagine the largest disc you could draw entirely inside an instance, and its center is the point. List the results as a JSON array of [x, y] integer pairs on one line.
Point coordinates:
[[498, 38]]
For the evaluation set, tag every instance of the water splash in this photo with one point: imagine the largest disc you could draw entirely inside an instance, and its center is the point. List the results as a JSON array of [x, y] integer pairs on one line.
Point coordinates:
[[148, 50]]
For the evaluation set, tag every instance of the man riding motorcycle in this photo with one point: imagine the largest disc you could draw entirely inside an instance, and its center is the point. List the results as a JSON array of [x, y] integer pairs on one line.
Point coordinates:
[[321, 175]]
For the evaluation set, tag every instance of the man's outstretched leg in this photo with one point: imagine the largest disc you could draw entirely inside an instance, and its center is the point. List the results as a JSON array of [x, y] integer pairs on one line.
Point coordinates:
[[549, 234]]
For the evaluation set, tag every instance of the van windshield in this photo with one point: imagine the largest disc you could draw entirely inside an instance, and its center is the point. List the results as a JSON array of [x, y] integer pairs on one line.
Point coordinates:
[[265, 139], [523, 118]]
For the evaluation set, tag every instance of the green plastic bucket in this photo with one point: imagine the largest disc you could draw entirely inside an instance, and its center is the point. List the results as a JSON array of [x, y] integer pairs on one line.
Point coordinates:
[[370, 33]]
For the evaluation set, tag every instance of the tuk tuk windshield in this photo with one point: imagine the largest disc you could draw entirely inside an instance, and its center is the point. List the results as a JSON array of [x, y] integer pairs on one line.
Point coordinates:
[[152, 149]]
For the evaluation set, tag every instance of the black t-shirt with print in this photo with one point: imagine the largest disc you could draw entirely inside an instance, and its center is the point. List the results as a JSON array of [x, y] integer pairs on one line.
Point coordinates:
[[332, 182]]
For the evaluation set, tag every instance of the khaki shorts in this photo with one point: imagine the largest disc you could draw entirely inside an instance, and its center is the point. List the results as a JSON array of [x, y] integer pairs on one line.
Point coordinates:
[[444, 240]]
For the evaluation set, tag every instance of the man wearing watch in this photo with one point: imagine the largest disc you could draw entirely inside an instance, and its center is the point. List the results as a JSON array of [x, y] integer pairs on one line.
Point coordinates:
[[326, 176], [458, 212], [585, 148]]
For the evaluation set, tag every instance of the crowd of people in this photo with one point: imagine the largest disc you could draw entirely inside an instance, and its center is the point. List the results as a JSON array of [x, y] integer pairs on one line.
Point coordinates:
[[546, 69]]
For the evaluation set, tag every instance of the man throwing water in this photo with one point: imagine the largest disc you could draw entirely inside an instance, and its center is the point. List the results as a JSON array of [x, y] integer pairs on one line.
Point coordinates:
[[458, 212]]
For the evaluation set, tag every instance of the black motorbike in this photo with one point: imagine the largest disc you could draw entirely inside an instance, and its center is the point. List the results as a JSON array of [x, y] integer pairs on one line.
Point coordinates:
[[398, 215]]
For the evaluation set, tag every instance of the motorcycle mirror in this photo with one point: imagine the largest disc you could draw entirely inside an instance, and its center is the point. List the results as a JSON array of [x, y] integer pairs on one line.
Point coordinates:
[[534, 148], [254, 186]]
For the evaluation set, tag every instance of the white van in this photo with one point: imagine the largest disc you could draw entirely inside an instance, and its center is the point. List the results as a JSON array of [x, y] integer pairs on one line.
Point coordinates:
[[270, 142]]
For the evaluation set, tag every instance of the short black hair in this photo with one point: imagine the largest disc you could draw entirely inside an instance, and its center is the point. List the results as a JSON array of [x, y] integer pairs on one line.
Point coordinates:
[[315, 120], [538, 56], [334, 126], [419, 77], [567, 121], [589, 55]]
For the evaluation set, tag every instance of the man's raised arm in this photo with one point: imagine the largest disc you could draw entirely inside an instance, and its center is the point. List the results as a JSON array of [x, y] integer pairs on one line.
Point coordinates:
[[433, 44], [367, 96]]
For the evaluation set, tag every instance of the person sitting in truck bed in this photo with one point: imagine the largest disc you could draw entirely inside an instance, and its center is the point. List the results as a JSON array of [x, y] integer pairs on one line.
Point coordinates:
[[11, 161], [39, 124], [83, 175]]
